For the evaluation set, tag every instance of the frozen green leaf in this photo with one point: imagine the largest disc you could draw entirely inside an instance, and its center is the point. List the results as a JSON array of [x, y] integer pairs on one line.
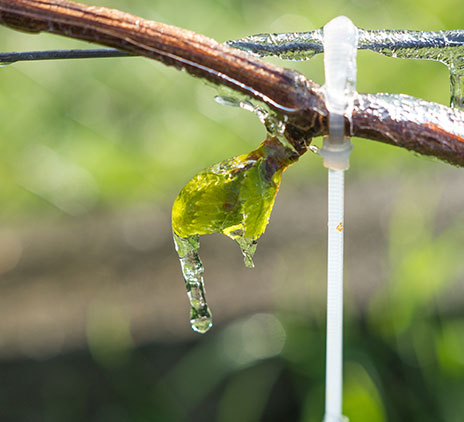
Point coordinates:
[[234, 197]]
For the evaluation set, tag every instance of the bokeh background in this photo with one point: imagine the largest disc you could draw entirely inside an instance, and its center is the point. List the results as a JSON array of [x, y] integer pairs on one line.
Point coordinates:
[[93, 312]]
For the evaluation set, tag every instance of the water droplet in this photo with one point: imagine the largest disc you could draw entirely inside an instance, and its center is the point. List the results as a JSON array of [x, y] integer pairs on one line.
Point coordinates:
[[314, 149], [227, 101], [192, 270]]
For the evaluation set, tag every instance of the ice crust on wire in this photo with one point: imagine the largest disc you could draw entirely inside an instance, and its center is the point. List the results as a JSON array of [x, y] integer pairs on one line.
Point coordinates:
[[446, 47]]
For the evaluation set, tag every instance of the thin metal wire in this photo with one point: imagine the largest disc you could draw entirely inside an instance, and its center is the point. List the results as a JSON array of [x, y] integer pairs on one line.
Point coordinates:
[[13, 57]]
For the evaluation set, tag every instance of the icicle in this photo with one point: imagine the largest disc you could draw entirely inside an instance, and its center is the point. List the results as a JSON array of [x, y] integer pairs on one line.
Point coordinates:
[[457, 84], [248, 248], [340, 48], [192, 269]]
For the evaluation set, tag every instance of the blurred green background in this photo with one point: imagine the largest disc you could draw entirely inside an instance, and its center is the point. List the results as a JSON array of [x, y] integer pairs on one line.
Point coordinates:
[[93, 313]]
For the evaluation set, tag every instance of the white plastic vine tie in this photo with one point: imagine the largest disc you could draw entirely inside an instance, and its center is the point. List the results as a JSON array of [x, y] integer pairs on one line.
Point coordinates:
[[340, 42]]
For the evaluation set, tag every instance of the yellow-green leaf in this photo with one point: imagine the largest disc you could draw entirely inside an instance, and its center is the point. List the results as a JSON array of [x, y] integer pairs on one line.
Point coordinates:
[[234, 197]]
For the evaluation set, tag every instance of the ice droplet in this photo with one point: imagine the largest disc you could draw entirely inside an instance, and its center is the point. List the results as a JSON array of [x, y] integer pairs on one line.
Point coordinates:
[[192, 270]]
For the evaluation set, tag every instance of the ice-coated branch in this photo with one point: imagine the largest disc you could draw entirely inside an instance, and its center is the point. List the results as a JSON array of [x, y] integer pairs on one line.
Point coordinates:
[[426, 128]]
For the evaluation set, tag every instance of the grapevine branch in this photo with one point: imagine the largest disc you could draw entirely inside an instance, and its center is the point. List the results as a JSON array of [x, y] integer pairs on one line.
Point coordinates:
[[406, 122]]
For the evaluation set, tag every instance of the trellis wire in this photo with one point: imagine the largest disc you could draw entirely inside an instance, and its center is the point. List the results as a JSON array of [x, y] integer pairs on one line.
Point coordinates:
[[21, 56]]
